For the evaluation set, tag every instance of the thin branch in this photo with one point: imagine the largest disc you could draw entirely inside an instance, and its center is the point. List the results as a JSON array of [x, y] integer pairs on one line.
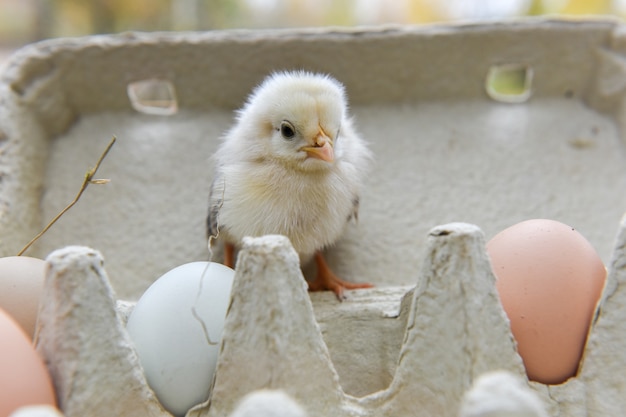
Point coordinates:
[[88, 180]]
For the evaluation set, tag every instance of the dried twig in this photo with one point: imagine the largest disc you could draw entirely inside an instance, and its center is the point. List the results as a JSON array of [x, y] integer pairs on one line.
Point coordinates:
[[88, 180]]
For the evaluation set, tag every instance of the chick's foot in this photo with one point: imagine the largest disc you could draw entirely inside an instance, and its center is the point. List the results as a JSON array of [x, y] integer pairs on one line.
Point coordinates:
[[327, 280], [229, 255]]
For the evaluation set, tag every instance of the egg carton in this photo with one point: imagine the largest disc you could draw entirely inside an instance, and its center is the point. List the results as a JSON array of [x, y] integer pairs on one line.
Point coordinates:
[[451, 149]]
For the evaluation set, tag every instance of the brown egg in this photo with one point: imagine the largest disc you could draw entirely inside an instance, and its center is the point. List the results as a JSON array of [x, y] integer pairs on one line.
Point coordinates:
[[24, 379], [550, 280], [21, 284]]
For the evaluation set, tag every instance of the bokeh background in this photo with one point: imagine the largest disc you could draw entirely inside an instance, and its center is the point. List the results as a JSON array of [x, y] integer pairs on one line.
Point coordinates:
[[25, 21]]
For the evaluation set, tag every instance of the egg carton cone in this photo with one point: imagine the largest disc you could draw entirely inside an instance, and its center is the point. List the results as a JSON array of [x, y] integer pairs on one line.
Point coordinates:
[[451, 148]]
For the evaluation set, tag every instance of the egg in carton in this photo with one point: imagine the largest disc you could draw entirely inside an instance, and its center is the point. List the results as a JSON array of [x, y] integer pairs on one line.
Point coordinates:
[[272, 340]]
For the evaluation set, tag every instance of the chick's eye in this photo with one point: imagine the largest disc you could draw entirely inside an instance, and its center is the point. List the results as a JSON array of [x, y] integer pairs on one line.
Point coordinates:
[[287, 130]]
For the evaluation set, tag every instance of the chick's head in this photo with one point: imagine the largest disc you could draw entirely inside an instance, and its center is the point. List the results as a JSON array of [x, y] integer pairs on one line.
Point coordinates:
[[296, 118]]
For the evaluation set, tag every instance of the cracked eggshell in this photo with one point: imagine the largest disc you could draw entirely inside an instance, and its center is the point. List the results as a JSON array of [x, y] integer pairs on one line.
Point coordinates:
[[176, 328], [550, 280], [501, 394], [268, 403]]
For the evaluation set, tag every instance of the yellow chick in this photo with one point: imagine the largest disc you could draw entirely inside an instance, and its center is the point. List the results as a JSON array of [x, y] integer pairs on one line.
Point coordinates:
[[293, 165]]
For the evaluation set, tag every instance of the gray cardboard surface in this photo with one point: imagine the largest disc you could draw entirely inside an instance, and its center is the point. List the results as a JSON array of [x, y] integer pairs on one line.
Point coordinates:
[[444, 151]]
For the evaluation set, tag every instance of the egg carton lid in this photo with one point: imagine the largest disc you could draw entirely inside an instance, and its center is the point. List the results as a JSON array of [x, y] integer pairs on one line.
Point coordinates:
[[450, 146]]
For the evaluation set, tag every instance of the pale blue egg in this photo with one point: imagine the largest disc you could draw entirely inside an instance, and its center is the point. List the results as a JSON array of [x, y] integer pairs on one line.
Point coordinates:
[[176, 328]]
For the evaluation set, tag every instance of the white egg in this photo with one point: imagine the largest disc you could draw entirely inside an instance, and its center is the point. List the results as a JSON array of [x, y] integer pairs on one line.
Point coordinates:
[[176, 327]]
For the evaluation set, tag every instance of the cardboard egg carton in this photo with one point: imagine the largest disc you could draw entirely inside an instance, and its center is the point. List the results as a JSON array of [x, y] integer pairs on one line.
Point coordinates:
[[450, 148]]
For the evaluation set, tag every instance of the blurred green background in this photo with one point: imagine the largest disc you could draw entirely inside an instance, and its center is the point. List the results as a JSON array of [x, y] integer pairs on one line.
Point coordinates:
[[25, 21]]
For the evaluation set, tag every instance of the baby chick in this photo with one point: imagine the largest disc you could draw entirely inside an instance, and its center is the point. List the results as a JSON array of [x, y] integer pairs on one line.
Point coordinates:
[[291, 165]]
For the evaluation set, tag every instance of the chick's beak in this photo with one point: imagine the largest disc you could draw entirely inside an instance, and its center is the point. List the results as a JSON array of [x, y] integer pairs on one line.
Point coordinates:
[[322, 148]]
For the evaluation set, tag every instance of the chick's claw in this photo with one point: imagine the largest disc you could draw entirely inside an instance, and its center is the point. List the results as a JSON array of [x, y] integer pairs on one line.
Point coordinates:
[[327, 280]]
